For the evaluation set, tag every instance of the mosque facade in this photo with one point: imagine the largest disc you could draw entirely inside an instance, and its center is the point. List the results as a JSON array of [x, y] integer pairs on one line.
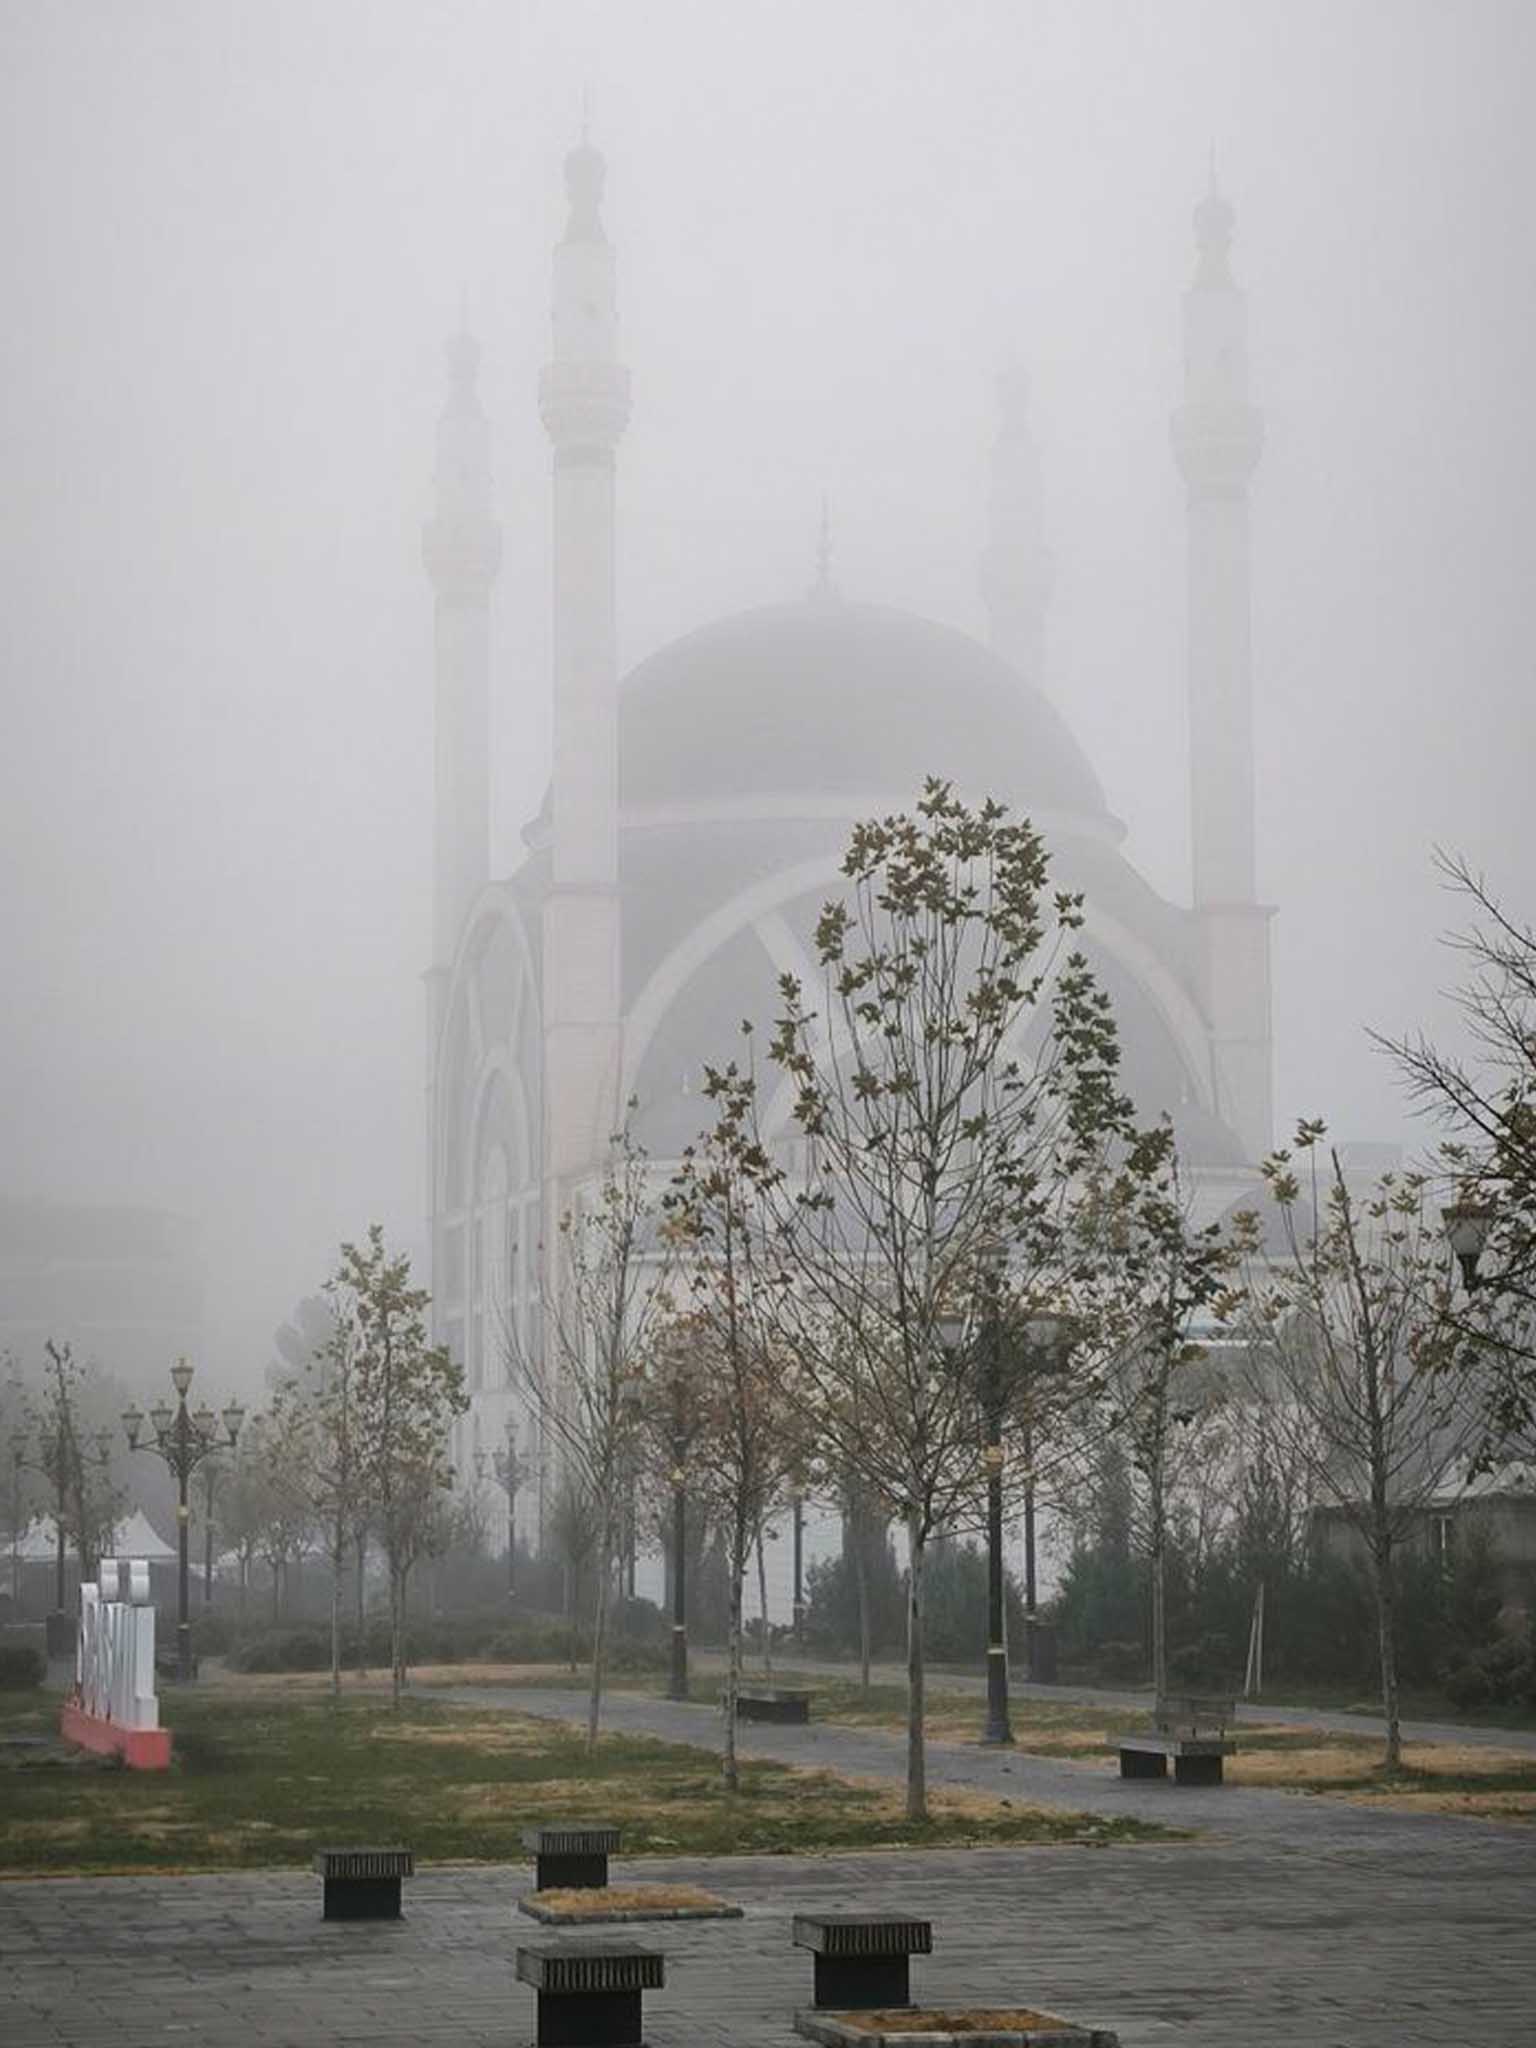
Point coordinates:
[[699, 807]]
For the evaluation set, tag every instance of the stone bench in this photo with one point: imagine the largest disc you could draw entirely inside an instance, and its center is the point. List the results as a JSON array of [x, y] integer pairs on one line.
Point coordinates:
[[363, 1884], [571, 1858], [862, 1960], [589, 1996], [772, 1703], [1190, 1730]]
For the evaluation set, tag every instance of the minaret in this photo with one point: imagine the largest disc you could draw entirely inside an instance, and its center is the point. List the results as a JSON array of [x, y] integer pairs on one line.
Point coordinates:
[[1016, 566], [461, 547], [584, 403], [1217, 440]]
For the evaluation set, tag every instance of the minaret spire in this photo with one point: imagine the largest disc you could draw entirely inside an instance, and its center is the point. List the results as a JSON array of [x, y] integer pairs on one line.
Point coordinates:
[[461, 549], [1015, 569], [584, 403], [1218, 436]]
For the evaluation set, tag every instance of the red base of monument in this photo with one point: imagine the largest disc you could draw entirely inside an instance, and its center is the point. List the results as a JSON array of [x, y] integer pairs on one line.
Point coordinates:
[[141, 1749]]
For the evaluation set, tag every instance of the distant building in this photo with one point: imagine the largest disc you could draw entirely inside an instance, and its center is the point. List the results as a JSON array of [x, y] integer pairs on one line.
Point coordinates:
[[698, 811], [1499, 1506], [123, 1286]]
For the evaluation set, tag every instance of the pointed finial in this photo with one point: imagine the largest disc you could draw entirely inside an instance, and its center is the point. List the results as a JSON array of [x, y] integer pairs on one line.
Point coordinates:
[[1013, 396], [463, 362], [823, 586], [585, 172], [1214, 219]]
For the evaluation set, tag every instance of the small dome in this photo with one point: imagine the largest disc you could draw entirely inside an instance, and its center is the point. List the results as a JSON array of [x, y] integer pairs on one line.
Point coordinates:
[[826, 699]]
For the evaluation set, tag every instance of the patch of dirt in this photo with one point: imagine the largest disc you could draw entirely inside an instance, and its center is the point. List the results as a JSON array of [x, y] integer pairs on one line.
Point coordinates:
[[371, 1682], [1340, 1763], [1489, 1805], [502, 1734], [47, 1830], [1001, 2019], [594, 1902]]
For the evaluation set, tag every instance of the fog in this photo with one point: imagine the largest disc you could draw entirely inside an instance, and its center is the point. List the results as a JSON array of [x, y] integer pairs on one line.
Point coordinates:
[[235, 238]]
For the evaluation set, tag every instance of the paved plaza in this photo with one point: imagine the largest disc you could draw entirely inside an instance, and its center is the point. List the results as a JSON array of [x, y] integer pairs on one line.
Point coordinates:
[[1291, 1922]]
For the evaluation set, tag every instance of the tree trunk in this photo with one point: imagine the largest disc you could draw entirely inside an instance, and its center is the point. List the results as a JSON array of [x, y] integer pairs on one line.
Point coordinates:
[[762, 1606], [917, 1761], [730, 1775], [397, 1580], [1157, 1514], [1386, 1634], [861, 1580], [338, 1559], [600, 1629], [362, 1603]]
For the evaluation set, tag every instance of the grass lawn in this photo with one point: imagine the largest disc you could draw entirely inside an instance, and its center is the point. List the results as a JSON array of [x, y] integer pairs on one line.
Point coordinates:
[[263, 1779], [1437, 1777]]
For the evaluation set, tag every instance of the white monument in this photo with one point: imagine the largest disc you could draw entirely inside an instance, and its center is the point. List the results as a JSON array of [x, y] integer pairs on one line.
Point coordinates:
[[115, 1709]]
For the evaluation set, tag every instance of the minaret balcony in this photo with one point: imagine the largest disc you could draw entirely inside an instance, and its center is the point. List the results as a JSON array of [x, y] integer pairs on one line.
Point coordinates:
[[462, 556], [584, 404], [1217, 446]]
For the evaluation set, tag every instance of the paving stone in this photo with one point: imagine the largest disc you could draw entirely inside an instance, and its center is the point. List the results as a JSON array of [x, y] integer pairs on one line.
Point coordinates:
[[1292, 1923]]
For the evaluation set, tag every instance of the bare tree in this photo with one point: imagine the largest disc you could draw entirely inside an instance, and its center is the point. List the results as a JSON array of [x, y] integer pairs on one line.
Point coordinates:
[[1487, 1105], [1347, 1313], [602, 1299], [317, 1406], [1158, 1387], [754, 1434], [946, 1088]]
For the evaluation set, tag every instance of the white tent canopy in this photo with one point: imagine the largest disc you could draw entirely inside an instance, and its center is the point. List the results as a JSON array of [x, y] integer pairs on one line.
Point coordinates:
[[133, 1537]]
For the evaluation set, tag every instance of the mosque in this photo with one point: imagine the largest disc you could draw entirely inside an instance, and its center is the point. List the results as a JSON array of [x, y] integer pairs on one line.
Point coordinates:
[[699, 807]]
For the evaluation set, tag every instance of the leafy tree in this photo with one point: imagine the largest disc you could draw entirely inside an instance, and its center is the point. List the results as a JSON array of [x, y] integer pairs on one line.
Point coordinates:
[[946, 1088], [403, 1394]]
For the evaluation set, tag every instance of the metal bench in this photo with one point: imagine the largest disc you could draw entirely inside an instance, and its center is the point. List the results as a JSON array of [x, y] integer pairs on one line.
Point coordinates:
[[1192, 1731], [363, 1884], [772, 1703], [589, 1996], [571, 1858], [862, 1959]]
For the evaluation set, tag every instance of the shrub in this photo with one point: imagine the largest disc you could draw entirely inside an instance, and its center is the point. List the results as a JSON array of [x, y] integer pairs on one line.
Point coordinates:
[[454, 1639], [21, 1667], [1501, 1675]]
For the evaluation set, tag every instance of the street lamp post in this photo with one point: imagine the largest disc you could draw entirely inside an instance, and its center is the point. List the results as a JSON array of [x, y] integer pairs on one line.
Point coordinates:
[[18, 1466], [799, 1609], [998, 1733], [1047, 1346], [1467, 1227], [507, 1463], [183, 1439], [984, 1329], [677, 1687]]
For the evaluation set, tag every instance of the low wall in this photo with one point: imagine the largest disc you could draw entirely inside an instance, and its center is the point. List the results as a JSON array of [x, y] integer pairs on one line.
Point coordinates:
[[141, 1749]]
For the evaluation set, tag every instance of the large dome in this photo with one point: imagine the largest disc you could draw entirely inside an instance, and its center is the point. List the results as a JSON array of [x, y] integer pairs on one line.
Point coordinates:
[[827, 698]]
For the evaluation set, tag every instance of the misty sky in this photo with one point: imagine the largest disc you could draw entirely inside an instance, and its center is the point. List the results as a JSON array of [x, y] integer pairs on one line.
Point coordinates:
[[234, 238]]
